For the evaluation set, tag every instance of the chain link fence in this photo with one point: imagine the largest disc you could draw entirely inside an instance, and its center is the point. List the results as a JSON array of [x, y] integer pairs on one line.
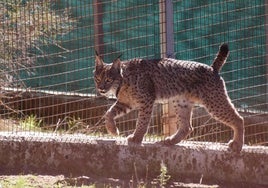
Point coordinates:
[[47, 60]]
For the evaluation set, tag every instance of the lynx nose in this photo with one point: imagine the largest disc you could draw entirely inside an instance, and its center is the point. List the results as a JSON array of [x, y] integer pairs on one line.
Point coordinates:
[[102, 91], [101, 88]]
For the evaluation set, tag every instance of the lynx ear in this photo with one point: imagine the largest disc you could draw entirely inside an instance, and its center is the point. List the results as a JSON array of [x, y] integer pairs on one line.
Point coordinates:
[[98, 61], [117, 63]]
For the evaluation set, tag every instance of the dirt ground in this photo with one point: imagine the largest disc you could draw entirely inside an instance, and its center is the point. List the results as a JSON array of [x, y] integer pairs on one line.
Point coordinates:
[[59, 181], [46, 181]]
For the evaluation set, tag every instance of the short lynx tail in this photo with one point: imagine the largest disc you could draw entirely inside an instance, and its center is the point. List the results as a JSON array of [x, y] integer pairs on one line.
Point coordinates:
[[221, 57]]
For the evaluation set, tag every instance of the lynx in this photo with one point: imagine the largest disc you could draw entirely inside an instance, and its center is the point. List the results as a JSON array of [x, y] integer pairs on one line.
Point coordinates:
[[139, 83]]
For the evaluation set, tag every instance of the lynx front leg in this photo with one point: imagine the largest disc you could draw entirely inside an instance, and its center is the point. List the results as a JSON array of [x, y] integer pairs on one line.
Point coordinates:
[[142, 124], [117, 109], [183, 109]]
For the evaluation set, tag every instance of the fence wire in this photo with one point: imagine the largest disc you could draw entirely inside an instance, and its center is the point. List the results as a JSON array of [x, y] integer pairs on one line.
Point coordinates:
[[47, 60]]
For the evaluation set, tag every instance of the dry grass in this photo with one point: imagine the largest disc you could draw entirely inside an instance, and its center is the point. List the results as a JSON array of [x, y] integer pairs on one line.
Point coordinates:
[[24, 27]]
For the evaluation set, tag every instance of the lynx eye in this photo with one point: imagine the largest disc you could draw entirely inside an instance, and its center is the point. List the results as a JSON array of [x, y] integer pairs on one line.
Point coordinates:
[[108, 80], [97, 79]]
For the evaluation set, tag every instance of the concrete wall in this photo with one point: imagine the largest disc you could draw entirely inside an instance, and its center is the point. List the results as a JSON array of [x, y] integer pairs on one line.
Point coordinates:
[[82, 155]]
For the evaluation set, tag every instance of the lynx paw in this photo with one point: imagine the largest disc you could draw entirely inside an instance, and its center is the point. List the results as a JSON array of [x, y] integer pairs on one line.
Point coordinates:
[[235, 146], [131, 139], [167, 142], [112, 130]]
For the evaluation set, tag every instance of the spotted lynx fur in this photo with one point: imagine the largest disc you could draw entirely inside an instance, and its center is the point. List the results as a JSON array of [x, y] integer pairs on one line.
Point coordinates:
[[138, 84]]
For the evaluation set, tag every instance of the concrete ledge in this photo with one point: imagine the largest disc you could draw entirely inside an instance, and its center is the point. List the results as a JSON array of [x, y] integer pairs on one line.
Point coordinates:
[[83, 155]]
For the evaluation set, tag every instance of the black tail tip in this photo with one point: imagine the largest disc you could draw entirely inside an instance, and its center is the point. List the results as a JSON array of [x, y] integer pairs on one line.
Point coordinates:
[[224, 48]]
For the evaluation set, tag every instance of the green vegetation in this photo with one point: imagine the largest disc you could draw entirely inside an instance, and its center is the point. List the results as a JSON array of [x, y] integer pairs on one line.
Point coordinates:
[[68, 125], [31, 123], [19, 182], [163, 177]]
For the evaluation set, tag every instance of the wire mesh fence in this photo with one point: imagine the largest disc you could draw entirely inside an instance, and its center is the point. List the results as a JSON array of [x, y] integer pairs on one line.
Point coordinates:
[[47, 60]]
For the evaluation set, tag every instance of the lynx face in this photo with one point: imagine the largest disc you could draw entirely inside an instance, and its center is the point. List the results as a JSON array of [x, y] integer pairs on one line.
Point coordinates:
[[107, 77]]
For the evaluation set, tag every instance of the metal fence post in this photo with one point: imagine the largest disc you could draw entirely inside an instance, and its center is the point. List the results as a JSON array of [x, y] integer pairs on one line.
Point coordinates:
[[98, 26], [266, 47], [167, 50], [169, 29], [166, 28]]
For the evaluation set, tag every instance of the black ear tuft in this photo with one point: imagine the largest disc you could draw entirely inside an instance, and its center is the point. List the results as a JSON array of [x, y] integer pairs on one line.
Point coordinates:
[[98, 60], [224, 48], [119, 56], [96, 53]]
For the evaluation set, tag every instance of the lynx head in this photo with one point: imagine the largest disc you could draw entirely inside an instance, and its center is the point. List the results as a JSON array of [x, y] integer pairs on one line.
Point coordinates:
[[107, 76]]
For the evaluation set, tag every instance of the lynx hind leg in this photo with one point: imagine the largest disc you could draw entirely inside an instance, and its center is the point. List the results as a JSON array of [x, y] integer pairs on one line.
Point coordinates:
[[183, 109], [219, 106]]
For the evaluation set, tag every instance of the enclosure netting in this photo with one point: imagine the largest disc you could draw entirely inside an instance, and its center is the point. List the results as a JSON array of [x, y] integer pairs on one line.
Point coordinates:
[[47, 59]]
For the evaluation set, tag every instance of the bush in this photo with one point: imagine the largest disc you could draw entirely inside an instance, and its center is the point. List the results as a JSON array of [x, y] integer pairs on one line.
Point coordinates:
[[24, 26]]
